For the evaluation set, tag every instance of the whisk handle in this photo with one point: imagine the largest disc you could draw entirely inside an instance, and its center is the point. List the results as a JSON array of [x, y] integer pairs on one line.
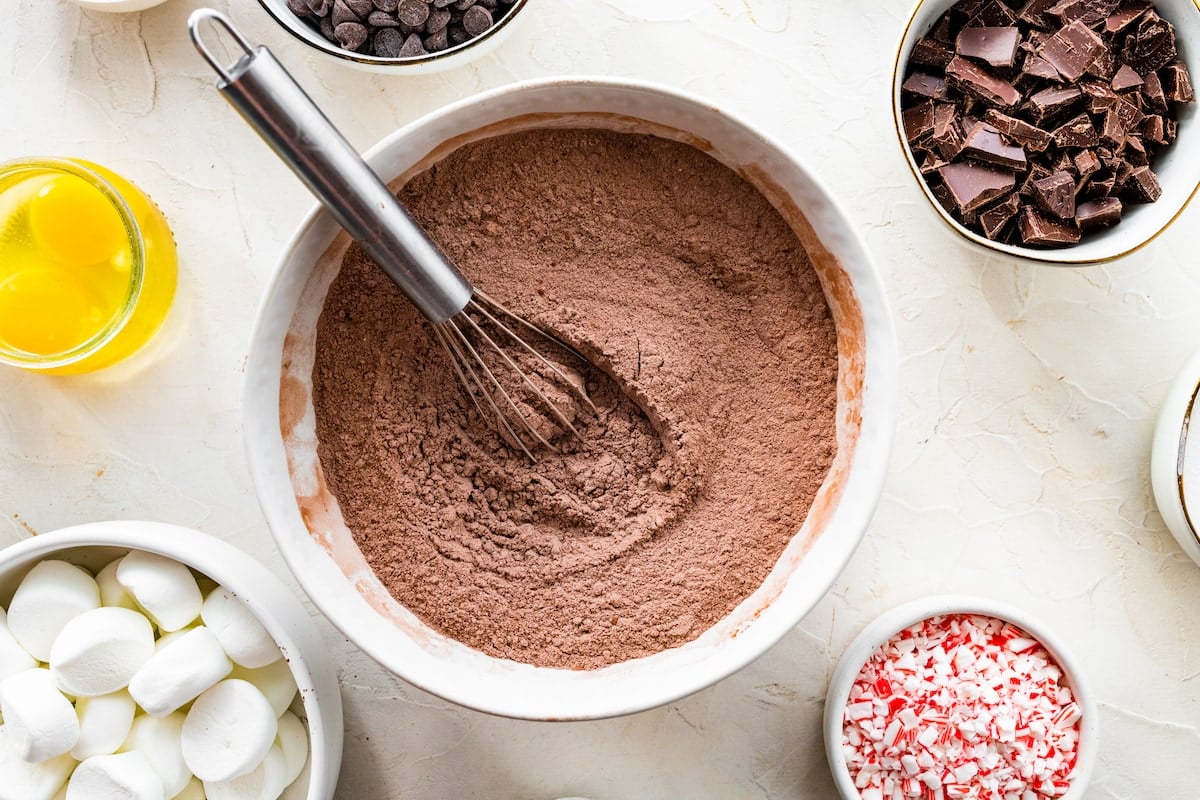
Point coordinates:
[[271, 101]]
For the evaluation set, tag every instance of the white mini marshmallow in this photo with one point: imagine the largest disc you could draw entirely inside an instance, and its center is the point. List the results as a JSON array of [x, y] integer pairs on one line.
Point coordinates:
[[13, 657], [245, 640], [178, 673], [228, 731], [123, 776], [264, 782], [293, 741], [104, 723], [100, 650], [112, 593], [20, 780], [50, 596], [41, 722], [159, 740], [167, 638], [275, 681], [193, 791], [163, 587]]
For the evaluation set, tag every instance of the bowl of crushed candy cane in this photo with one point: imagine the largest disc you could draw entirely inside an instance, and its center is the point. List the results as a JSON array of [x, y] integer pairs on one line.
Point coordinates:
[[954, 697]]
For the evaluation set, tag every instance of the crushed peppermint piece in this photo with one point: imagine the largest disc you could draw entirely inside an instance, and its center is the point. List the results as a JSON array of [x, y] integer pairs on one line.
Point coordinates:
[[961, 706]]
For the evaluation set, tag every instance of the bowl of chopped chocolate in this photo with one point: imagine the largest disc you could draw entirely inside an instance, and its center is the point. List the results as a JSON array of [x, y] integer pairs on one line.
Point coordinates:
[[411, 37], [735, 371], [1061, 131]]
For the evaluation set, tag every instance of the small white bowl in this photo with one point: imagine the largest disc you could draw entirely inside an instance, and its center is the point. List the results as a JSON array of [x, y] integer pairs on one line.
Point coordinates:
[[280, 424], [1175, 459], [890, 623], [420, 65], [94, 545], [1178, 168]]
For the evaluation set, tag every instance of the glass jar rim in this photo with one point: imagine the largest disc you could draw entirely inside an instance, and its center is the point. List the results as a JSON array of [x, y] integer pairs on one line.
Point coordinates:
[[137, 262]]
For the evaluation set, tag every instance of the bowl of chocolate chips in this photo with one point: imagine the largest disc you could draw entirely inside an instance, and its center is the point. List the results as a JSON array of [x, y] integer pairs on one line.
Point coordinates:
[[1060, 131], [398, 36]]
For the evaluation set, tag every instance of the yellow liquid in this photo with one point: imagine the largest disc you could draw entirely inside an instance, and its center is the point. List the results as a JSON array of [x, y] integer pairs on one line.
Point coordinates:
[[69, 272]]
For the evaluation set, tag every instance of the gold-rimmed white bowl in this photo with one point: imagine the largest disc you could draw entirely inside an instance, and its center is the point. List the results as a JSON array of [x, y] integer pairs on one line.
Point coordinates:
[[1177, 168], [1175, 459], [418, 65]]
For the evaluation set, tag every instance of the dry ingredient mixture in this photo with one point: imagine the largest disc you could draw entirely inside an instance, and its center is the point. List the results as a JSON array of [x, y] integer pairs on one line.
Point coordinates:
[[961, 706], [713, 363]]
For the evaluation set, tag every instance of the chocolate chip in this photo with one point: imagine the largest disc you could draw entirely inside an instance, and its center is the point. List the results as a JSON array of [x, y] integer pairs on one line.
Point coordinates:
[[412, 46], [299, 8], [388, 6], [437, 41], [361, 8], [412, 12], [439, 18], [388, 42], [476, 20], [351, 35]]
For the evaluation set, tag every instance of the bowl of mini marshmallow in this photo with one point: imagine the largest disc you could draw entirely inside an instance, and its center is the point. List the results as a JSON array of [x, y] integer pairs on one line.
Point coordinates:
[[146, 661]]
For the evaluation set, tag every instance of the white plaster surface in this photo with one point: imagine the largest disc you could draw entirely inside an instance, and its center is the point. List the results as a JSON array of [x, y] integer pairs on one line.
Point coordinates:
[[1027, 401]]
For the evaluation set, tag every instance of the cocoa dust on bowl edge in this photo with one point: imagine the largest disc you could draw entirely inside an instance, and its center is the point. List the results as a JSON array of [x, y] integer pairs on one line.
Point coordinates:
[[713, 362]]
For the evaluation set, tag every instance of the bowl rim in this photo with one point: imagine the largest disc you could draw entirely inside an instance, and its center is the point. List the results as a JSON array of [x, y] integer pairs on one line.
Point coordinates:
[[294, 630], [891, 622], [262, 421], [1059, 257], [1176, 428], [321, 44]]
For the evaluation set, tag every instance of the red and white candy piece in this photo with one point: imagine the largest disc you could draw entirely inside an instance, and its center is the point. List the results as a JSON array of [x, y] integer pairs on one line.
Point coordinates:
[[961, 707]]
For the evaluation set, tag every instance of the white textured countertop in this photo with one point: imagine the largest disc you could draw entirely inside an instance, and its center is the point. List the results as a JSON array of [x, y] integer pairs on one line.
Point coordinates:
[[1028, 394]]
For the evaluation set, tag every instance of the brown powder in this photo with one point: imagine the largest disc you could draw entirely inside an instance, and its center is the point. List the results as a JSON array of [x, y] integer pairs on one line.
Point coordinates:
[[715, 378]]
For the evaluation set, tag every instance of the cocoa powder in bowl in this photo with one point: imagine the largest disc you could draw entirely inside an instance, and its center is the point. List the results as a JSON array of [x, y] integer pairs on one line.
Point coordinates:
[[713, 363]]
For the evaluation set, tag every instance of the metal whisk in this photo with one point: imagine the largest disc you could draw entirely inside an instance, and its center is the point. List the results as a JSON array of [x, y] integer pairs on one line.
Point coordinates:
[[471, 327]]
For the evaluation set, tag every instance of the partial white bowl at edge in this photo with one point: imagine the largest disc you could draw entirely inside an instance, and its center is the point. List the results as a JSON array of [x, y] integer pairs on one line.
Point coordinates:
[[95, 544]]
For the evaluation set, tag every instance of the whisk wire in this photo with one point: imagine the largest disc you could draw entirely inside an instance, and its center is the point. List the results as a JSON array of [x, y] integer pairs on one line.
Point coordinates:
[[495, 382], [554, 409], [462, 364]]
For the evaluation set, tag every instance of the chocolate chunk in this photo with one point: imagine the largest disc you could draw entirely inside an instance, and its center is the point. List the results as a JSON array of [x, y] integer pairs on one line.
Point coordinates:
[[1142, 185], [1151, 46], [996, 46], [1029, 136], [918, 122], [1034, 66], [992, 14], [973, 186], [1086, 163], [948, 135], [1050, 103], [1153, 93], [1089, 12], [1153, 130], [1102, 213], [1126, 79], [942, 195], [977, 81], [1055, 194], [1072, 50], [1040, 230], [932, 163], [1105, 66], [1122, 19], [1036, 13], [1079, 132], [983, 143], [1134, 151], [1113, 130], [1036, 173], [932, 53], [929, 86], [1099, 188], [1177, 83], [996, 219]]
